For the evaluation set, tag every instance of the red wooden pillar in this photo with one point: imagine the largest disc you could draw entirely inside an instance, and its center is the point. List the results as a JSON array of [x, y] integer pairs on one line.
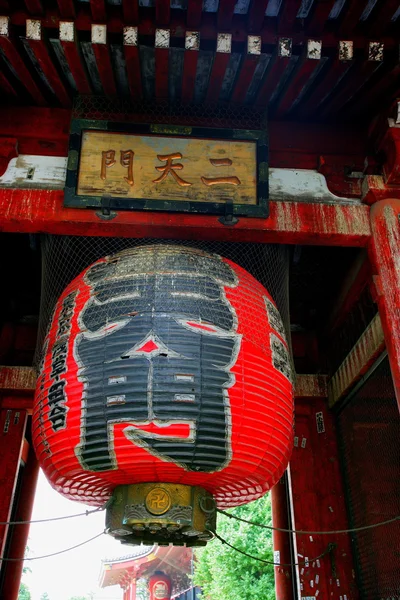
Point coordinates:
[[384, 252], [19, 533], [283, 574], [12, 431]]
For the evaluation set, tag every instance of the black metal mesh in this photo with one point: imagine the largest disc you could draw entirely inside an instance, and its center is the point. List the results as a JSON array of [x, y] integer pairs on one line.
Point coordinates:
[[64, 257], [369, 433], [128, 111]]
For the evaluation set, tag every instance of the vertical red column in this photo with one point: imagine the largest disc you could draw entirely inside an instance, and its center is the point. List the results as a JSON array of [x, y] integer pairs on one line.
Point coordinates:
[[12, 431], [384, 252], [19, 533], [283, 574]]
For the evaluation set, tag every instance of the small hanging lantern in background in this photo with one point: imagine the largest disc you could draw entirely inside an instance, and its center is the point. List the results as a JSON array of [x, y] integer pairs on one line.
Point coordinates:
[[165, 384], [160, 586]]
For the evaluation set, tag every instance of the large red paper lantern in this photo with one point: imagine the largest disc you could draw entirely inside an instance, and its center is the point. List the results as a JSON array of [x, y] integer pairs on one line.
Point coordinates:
[[164, 364], [160, 586]]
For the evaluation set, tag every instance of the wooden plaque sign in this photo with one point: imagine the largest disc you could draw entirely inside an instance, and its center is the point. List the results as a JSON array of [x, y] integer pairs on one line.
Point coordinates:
[[204, 170]]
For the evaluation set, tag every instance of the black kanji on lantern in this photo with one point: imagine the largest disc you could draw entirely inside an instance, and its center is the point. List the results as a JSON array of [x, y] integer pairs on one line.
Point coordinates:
[[158, 344]]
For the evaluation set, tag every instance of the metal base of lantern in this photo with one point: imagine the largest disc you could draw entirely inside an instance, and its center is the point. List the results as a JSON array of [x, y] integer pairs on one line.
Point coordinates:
[[161, 513]]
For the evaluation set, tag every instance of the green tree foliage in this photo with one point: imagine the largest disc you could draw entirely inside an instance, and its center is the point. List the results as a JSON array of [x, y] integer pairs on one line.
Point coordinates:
[[224, 573], [24, 593]]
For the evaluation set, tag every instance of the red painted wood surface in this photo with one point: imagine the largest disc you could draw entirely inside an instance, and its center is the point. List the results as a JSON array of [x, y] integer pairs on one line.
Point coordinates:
[[6, 86], [33, 211], [106, 72], [34, 7], [163, 12], [189, 75], [319, 505], [281, 542], [287, 16], [256, 15], [12, 430], [302, 75], [384, 252], [381, 21], [76, 67], [225, 14], [66, 8], [133, 70], [320, 11], [98, 9], [161, 79], [244, 79], [8, 150], [8, 47], [217, 75], [275, 73], [351, 18], [321, 90], [19, 533], [46, 64], [130, 10], [194, 13]]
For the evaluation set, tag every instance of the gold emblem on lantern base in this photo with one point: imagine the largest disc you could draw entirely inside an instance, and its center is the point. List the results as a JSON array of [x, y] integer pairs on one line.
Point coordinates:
[[158, 501], [161, 513]]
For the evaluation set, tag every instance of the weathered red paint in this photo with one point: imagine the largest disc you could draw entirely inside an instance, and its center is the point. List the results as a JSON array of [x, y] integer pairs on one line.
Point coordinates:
[[12, 431], [189, 75], [34, 7], [384, 252], [244, 79], [103, 60], [217, 75], [319, 505], [41, 53], [162, 68], [17, 380], [34, 211], [76, 67], [133, 70], [13, 56], [19, 533], [311, 386], [281, 542]]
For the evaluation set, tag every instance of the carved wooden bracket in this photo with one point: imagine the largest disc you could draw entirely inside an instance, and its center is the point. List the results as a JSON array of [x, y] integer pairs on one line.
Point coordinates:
[[8, 150]]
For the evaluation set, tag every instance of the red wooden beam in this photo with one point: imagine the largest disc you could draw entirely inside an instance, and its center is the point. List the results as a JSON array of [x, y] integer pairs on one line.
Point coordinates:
[[161, 63], [192, 46], [12, 431], [287, 16], [355, 79], [98, 9], [130, 10], [72, 54], [33, 211], [384, 252], [320, 12], [19, 533], [132, 60], [304, 71], [247, 69], [274, 73], [103, 59], [221, 61], [66, 8], [256, 15], [163, 12], [7, 44], [8, 150], [333, 73], [6, 86], [34, 7], [35, 40], [351, 17], [225, 14], [194, 13], [381, 18]]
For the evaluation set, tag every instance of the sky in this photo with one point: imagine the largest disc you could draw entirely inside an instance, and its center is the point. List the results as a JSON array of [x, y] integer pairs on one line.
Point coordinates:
[[73, 573]]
